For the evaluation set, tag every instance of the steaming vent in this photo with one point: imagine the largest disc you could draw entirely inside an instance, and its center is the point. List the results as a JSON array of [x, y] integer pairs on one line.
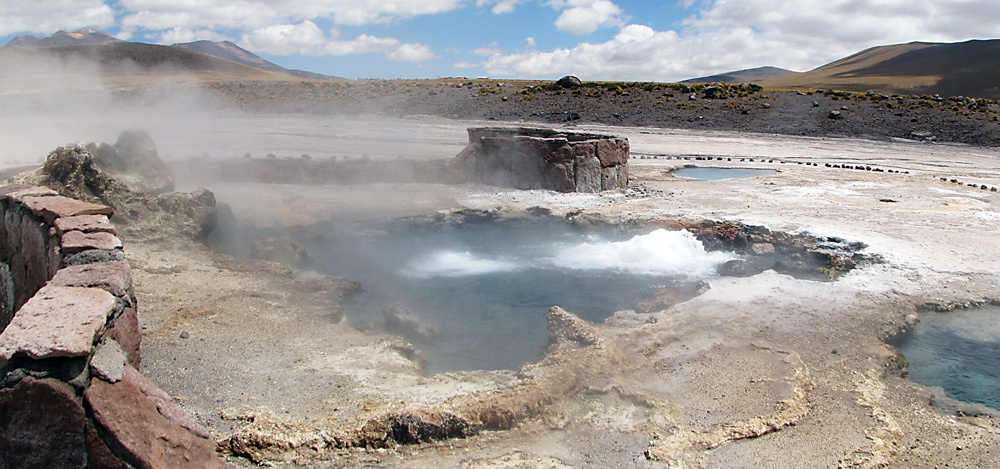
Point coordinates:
[[476, 296]]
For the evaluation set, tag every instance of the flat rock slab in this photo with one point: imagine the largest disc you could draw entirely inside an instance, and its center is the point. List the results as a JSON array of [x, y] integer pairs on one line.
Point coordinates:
[[53, 207], [17, 192], [76, 241], [113, 277], [139, 431], [85, 224], [57, 322]]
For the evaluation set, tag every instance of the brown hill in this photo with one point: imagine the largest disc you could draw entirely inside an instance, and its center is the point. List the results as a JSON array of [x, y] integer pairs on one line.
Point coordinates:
[[954, 69], [122, 63], [229, 51], [750, 75]]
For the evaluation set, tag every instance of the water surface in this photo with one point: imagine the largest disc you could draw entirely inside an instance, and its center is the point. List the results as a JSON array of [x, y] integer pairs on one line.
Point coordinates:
[[958, 352], [714, 174], [488, 287]]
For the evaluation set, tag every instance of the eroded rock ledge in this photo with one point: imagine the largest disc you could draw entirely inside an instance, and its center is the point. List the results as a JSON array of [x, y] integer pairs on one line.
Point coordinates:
[[70, 395]]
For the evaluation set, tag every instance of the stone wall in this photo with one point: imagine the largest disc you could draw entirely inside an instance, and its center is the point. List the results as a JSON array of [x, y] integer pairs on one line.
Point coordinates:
[[533, 158], [70, 392]]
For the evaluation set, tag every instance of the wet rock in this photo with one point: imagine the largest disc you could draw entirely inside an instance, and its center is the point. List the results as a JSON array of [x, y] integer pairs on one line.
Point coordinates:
[[399, 319], [41, 425], [282, 249], [664, 298]]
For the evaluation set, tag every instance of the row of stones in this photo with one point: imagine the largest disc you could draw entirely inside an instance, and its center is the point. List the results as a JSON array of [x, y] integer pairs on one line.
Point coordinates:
[[70, 392]]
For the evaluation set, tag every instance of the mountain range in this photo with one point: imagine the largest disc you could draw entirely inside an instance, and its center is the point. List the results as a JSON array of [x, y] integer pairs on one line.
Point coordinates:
[[209, 60], [967, 68]]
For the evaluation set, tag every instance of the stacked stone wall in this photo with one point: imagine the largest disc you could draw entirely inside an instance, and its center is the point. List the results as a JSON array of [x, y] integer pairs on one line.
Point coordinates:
[[534, 158], [70, 392]]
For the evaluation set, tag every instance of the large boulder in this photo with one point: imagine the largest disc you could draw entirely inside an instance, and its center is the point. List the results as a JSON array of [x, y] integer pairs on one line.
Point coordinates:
[[73, 171], [569, 81], [133, 160]]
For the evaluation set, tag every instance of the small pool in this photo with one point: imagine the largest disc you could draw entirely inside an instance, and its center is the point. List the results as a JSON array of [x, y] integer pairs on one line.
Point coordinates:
[[714, 174], [957, 352], [485, 289]]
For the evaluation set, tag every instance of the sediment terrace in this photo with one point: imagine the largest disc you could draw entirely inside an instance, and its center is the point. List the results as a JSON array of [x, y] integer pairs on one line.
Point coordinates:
[[767, 370]]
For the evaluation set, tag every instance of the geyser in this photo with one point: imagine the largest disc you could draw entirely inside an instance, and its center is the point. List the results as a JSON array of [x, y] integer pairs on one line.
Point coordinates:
[[477, 295]]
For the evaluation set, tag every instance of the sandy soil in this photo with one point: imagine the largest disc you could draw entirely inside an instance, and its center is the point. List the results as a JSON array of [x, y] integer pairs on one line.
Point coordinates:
[[766, 371]]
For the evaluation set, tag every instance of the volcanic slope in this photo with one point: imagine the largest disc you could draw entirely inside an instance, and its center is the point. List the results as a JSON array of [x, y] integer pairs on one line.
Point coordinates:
[[954, 69]]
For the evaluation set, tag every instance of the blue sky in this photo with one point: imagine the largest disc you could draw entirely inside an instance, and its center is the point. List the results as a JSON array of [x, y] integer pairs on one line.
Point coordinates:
[[665, 40]]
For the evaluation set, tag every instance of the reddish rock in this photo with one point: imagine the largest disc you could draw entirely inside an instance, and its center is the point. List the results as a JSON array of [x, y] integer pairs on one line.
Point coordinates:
[[57, 206], [76, 241], [18, 192], [57, 322], [610, 153], [164, 404], [560, 177], [609, 178], [85, 224], [98, 454], [139, 432], [112, 277], [41, 425], [585, 150], [125, 330]]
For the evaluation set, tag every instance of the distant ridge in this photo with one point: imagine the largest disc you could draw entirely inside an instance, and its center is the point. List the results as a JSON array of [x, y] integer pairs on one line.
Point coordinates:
[[229, 51], [750, 75], [968, 68], [124, 62], [63, 38]]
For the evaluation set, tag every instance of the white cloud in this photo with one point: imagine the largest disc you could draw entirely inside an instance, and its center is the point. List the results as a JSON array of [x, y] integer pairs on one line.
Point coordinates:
[[581, 17], [529, 42], [283, 39], [729, 35], [413, 53], [306, 38], [180, 35], [240, 14], [500, 6], [47, 17]]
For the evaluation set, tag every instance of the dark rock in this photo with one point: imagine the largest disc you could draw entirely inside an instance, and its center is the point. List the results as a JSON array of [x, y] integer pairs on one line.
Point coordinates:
[[41, 425], [835, 115], [280, 249], [401, 320], [133, 160], [569, 81], [664, 298], [94, 255]]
